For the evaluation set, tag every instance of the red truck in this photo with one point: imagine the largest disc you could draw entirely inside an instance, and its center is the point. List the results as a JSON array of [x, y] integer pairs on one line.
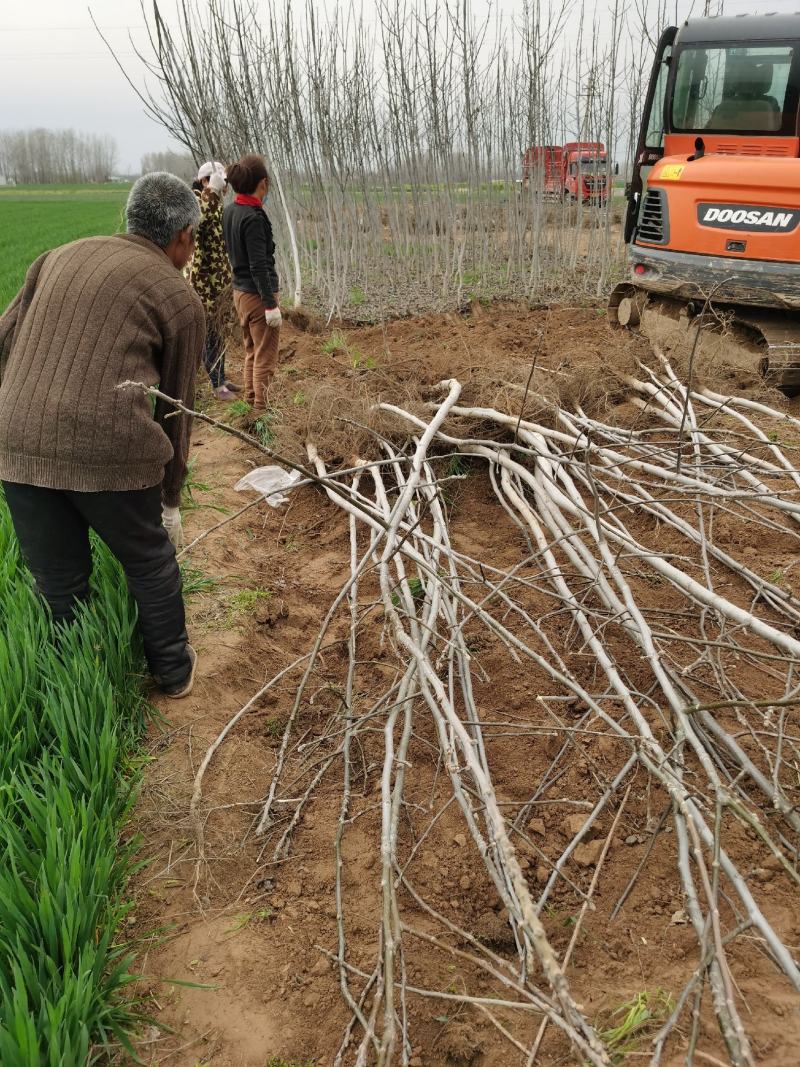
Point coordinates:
[[576, 170]]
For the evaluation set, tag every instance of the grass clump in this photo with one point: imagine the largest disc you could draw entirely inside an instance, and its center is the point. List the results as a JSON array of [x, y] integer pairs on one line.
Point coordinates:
[[458, 466], [627, 1026], [245, 601], [263, 428], [238, 409], [196, 580], [274, 728], [416, 588], [359, 362], [72, 709], [191, 486], [336, 345]]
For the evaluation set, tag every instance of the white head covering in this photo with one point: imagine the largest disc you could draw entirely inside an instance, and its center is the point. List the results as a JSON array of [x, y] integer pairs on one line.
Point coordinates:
[[208, 169]]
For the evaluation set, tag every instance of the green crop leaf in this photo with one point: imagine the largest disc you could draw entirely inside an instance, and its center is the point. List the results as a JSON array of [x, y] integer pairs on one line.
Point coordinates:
[[71, 710]]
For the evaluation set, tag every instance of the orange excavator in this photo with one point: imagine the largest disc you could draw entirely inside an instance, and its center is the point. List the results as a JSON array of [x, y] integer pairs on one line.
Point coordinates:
[[713, 220]]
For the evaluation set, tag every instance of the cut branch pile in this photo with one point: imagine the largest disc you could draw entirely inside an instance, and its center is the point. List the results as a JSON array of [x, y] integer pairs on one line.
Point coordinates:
[[627, 620]]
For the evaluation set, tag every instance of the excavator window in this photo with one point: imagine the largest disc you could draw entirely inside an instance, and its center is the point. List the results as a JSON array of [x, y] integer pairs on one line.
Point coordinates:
[[654, 138], [734, 90]]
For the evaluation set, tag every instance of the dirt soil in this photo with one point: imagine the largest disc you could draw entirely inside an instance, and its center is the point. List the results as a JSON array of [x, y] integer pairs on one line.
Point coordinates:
[[250, 935]]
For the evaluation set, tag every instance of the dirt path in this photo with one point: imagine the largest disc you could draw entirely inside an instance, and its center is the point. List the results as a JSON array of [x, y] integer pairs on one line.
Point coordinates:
[[252, 933]]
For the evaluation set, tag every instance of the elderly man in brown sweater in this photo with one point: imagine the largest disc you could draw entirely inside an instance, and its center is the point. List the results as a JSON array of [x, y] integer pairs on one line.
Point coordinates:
[[76, 452]]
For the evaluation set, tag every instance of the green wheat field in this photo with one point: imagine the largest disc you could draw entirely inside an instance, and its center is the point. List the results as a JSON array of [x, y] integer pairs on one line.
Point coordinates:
[[34, 218]]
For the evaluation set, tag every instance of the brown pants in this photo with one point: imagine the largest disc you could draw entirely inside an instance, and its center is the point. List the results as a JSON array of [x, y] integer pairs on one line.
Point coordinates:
[[260, 348]]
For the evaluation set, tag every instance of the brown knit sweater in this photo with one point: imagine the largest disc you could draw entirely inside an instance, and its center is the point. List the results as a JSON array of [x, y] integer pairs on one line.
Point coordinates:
[[90, 315]]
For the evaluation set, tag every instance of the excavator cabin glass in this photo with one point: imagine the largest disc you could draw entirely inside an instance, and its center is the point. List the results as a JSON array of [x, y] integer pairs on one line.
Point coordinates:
[[735, 90], [654, 130]]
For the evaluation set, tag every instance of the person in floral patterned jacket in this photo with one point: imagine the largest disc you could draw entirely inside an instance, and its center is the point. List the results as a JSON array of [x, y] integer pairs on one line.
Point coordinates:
[[210, 275]]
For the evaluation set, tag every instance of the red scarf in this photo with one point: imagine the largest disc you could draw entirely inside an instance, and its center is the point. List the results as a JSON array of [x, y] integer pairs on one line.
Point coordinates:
[[249, 201]]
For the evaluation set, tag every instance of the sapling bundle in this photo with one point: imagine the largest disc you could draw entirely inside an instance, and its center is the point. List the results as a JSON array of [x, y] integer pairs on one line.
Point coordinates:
[[634, 627]]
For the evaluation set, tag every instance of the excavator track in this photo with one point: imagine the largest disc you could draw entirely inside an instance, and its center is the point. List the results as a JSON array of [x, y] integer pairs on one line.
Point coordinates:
[[766, 339]]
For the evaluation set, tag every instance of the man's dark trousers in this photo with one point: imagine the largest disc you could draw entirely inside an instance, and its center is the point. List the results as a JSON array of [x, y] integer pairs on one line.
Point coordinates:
[[52, 526]]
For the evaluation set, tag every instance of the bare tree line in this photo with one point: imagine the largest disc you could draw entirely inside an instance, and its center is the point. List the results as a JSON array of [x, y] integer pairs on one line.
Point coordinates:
[[48, 156], [178, 163], [395, 143]]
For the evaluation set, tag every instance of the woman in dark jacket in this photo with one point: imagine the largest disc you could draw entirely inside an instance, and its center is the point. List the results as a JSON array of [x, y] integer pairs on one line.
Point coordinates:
[[248, 238]]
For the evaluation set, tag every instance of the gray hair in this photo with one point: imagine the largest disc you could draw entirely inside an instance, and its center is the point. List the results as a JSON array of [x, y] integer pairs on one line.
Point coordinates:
[[159, 207]]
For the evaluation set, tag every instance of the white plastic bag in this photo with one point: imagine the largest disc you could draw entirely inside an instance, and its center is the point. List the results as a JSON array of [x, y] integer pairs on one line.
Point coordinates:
[[270, 482]]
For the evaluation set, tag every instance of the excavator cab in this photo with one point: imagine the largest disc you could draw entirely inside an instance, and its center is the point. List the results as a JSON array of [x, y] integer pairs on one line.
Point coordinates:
[[713, 218], [747, 102]]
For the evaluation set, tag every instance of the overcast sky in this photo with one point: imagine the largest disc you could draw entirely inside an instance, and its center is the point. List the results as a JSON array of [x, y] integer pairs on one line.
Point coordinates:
[[56, 72]]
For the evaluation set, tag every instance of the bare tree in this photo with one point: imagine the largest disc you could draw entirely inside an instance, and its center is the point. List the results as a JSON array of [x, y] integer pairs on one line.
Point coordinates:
[[395, 145], [49, 156], [181, 164]]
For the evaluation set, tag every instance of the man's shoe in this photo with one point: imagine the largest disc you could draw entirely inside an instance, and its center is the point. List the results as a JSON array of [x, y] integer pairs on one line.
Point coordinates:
[[182, 689], [234, 388], [224, 393]]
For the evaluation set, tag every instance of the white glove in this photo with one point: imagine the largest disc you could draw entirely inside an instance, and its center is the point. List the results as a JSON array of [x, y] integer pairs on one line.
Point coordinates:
[[273, 317], [171, 518], [216, 182]]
